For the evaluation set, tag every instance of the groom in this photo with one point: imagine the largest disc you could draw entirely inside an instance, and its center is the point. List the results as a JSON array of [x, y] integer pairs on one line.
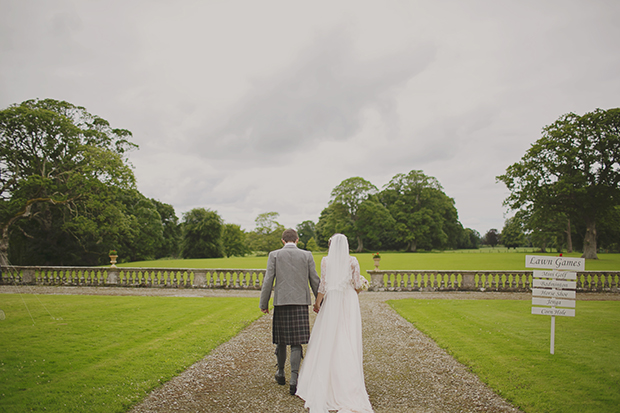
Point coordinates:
[[292, 269]]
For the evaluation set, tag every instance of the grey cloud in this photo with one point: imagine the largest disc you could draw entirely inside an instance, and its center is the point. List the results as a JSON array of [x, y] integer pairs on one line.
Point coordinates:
[[319, 97]]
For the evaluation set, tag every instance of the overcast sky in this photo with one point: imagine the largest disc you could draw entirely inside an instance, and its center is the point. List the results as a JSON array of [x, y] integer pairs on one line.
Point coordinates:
[[246, 107]]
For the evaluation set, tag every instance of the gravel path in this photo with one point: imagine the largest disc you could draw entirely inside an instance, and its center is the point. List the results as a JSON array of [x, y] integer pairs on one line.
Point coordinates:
[[405, 370]]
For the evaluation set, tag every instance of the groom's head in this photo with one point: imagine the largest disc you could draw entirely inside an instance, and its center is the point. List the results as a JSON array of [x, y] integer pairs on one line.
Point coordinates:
[[290, 235]]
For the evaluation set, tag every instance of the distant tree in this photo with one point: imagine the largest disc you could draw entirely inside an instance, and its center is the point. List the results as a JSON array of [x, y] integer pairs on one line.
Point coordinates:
[[349, 195], [609, 235], [233, 239], [171, 230], [512, 235], [202, 234], [267, 235], [312, 245], [492, 237], [545, 230], [62, 171], [374, 224], [572, 169], [470, 239], [425, 217], [145, 234], [306, 230], [335, 219]]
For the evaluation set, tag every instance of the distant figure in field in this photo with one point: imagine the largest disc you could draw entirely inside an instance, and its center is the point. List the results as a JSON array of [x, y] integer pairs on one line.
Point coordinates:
[[292, 270]]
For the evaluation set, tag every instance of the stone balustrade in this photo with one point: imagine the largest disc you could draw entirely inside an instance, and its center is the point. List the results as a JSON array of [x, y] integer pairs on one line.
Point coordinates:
[[587, 281], [380, 280], [135, 277]]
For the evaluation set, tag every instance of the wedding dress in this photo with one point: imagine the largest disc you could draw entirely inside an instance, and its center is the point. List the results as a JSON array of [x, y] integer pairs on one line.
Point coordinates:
[[332, 374]]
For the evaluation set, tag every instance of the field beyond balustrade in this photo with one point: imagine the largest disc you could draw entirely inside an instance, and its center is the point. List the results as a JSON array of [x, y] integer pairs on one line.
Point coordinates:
[[472, 260]]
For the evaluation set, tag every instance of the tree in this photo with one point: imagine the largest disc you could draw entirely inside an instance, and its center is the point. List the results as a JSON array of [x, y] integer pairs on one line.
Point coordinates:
[[350, 194], [202, 234], [312, 245], [425, 217], [306, 230], [512, 234], [573, 169], [470, 239], [144, 235], [374, 224], [60, 167], [492, 237], [234, 242], [171, 230], [267, 235], [334, 219]]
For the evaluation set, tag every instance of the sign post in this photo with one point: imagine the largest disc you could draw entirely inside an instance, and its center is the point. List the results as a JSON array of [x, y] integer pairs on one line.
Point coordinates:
[[554, 288]]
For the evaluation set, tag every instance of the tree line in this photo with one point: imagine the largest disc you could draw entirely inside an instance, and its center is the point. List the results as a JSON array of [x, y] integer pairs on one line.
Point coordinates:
[[69, 196]]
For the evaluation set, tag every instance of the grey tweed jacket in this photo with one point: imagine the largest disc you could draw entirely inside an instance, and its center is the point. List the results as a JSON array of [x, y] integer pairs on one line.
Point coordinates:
[[292, 269]]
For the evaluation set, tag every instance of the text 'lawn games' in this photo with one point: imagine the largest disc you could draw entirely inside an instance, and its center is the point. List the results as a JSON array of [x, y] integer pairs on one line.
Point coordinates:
[[555, 288]]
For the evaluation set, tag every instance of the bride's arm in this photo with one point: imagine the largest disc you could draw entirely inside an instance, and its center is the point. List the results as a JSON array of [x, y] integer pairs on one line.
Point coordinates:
[[322, 286], [356, 277]]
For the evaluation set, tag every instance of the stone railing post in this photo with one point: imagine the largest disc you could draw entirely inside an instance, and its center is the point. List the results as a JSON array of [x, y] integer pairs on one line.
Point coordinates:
[[376, 281], [29, 276], [113, 277], [200, 279], [468, 281]]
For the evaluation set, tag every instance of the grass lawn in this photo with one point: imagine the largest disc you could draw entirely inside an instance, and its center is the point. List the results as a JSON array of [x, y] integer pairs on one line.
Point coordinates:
[[453, 260], [104, 354], [508, 348]]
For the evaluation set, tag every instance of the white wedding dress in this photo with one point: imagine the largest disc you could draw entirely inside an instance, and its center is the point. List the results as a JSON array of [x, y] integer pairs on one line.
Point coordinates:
[[332, 374]]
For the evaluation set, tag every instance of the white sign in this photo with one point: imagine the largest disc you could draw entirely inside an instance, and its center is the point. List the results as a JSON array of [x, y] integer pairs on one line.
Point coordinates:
[[558, 275], [553, 302], [554, 284], [564, 312], [555, 263], [553, 293]]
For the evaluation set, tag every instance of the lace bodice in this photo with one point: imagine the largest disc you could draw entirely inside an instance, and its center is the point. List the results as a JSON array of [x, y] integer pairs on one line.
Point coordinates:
[[356, 277]]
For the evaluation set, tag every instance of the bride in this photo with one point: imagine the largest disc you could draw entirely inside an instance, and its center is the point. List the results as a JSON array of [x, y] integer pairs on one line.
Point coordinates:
[[332, 375]]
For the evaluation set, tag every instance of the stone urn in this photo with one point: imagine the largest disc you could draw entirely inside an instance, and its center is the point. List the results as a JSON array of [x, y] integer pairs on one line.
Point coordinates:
[[376, 260], [113, 258]]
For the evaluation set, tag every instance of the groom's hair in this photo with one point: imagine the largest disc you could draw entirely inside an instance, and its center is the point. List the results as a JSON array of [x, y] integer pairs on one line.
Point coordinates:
[[290, 235]]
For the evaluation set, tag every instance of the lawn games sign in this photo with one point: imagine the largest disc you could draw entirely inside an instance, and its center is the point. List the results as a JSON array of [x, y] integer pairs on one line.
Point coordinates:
[[554, 287]]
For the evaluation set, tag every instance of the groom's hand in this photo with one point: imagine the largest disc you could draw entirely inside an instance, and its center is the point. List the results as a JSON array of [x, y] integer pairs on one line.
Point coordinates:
[[265, 310]]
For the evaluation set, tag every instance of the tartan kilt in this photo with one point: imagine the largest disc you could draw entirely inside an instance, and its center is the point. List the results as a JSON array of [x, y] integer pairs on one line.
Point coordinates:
[[291, 324]]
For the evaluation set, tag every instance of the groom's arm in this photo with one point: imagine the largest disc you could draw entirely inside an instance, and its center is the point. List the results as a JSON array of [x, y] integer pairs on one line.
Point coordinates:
[[270, 273], [312, 275]]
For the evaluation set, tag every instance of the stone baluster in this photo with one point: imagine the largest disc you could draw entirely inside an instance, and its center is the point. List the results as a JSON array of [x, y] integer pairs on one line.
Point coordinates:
[[599, 281]]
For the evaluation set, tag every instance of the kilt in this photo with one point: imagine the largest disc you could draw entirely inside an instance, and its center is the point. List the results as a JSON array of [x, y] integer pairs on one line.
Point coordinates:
[[291, 324]]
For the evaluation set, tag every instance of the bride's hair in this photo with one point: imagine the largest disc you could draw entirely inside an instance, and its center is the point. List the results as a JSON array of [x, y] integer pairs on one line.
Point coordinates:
[[338, 261]]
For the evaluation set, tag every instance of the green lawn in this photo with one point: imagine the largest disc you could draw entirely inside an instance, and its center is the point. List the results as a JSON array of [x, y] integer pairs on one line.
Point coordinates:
[[453, 260], [508, 348], [104, 354]]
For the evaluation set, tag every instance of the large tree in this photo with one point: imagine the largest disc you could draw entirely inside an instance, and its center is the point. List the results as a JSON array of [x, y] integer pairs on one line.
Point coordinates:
[[171, 230], [59, 167], [233, 239], [425, 217], [346, 199], [202, 234], [573, 169]]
